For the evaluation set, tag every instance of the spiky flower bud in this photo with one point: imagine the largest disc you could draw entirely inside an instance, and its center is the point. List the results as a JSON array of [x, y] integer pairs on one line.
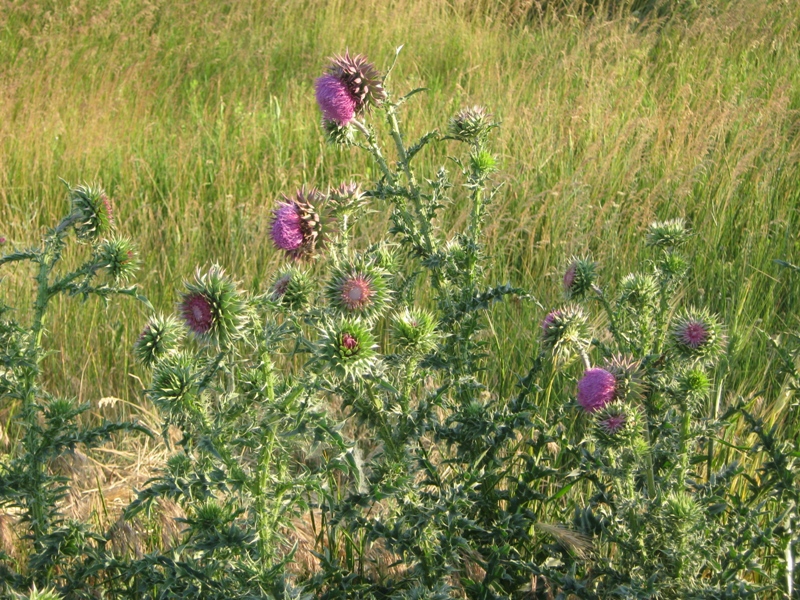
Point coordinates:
[[173, 386], [296, 224], [693, 385], [292, 288], [617, 424], [628, 375], [596, 389], [696, 335], [638, 291], [565, 332], [483, 162], [681, 513], [346, 198], [212, 307], [158, 338], [672, 265], [350, 85], [358, 289], [579, 276], [92, 209], [119, 257], [470, 124], [43, 594], [414, 331], [346, 349], [667, 234]]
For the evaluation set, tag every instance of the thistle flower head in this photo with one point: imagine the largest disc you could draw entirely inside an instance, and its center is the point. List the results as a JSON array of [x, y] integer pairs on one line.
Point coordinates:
[[212, 307], [349, 86], [616, 424], [638, 291], [470, 124], [681, 513], [346, 198], [696, 335], [346, 349], [92, 208], [173, 385], [414, 331], [158, 338], [292, 288], [119, 257], [596, 389], [667, 234], [628, 377], [483, 162], [692, 385], [579, 276], [358, 289], [565, 332], [296, 224]]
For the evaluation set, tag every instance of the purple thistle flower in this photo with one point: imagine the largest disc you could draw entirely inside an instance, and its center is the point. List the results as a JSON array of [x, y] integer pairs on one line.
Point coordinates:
[[196, 312], [613, 423], [549, 319], [692, 333], [349, 341], [356, 293], [569, 277], [335, 99], [287, 231], [596, 389]]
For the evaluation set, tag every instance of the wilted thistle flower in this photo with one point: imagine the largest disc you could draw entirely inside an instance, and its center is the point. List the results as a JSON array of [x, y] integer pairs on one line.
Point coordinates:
[[696, 334], [292, 288], [628, 376], [616, 424], [347, 349], [667, 234], [158, 338], [349, 86], [92, 208], [596, 389], [119, 257], [212, 307], [579, 276], [565, 332], [470, 124], [358, 290], [638, 291], [414, 331], [296, 224], [346, 198]]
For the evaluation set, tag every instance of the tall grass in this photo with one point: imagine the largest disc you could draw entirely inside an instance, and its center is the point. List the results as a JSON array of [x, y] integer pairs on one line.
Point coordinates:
[[197, 115]]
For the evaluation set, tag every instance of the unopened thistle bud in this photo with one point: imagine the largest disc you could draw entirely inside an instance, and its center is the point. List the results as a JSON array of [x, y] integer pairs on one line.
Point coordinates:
[[358, 290], [296, 224], [638, 291], [173, 384], [667, 234], [483, 162], [565, 332], [350, 85], [628, 375], [579, 276], [292, 288], [596, 389], [346, 349], [346, 198], [693, 386], [92, 209], [696, 335], [119, 257], [158, 338], [470, 124], [336, 133], [212, 307], [414, 331]]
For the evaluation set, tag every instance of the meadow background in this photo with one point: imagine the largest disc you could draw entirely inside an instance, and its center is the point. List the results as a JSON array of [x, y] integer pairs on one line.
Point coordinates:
[[196, 116]]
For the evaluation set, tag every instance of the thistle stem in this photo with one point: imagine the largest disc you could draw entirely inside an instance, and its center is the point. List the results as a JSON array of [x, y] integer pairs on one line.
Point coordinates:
[[372, 146], [686, 422]]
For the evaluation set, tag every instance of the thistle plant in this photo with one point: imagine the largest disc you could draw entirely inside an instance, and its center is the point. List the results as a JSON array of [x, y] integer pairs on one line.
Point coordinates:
[[60, 553]]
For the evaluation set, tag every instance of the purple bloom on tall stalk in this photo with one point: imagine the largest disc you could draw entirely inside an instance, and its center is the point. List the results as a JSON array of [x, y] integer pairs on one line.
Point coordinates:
[[349, 86], [596, 389], [296, 224], [287, 232], [692, 333]]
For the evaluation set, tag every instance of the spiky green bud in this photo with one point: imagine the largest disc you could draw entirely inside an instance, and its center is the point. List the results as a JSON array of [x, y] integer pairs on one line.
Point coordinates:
[[118, 256], [565, 332], [158, 338], [414, 331], [212, 307], [470, 125], [93, 212], [638, 291], [346, 349], [579, 277], [358, 289], [667, 234], [292, 288]]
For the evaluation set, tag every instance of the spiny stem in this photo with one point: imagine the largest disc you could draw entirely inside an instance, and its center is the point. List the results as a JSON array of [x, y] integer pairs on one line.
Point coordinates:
[[372, 146]]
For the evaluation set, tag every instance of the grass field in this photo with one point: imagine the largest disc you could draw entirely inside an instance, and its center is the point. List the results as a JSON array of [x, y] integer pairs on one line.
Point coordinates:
[[197, 115]]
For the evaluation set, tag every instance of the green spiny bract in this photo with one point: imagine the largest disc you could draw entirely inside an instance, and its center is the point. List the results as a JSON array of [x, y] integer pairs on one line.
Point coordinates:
[[618, 424], [173, 387], [292, 288], [579, 277], [119, 257], [696, 335], [565, 332], [667, 234], [629, 376], [91, 208], [414, 331], [159, 337], [212, 307], [471, 125], [638, 291]]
